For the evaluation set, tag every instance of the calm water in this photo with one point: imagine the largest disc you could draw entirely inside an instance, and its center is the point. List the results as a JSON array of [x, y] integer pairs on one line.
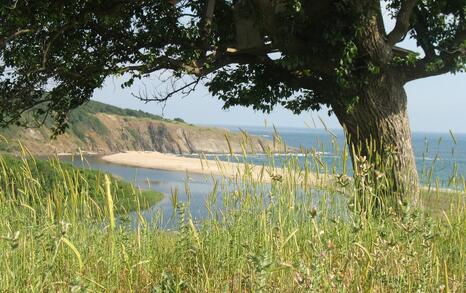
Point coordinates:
[[200, 193], [439, 154], [167, 182]]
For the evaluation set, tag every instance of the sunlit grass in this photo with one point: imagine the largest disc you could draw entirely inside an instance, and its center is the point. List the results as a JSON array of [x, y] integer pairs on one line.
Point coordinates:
[[287, 236]]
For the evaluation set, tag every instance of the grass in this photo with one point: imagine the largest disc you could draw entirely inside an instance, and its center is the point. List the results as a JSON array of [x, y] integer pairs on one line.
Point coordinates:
[[437, 201], [49, 177], [286, 237]]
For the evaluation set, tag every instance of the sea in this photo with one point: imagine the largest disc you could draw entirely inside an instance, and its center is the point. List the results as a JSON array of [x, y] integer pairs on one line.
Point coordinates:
[[440, 160], [440, 157]]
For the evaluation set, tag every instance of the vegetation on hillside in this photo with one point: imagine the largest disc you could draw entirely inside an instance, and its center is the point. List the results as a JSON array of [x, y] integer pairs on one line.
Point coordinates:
[[179, 120], [81, 122], [93, 107], [83, 118], [48, 177]]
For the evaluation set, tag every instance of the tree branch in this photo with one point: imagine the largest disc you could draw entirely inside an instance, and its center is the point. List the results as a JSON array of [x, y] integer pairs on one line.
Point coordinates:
[[209, 16], [422, 32], [445, 61], [380, 22], [402, 22], [186, 89], [438, 65], [205, 25], [198, 68], [5, 40], [50, 43]]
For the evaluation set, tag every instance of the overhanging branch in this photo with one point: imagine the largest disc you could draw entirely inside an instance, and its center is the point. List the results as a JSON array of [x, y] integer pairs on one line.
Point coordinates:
[[433, 66], [402, 22], [198, 68], [6, 39], [185, 90], [447, 59]]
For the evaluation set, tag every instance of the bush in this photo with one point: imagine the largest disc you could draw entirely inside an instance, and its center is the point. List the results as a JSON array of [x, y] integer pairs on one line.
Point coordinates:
[[179, 120]]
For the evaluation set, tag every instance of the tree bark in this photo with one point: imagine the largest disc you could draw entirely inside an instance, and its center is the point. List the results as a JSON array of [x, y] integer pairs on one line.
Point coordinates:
[[379, 140]]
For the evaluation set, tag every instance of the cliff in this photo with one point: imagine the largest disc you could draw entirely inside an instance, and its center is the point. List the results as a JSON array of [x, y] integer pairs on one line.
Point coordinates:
[[101, 128]]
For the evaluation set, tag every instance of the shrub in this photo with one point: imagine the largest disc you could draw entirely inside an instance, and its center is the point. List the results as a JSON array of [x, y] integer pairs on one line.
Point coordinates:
[[179, 120]]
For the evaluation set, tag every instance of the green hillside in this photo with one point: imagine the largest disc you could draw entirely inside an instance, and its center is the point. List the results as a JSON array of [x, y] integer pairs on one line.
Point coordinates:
[[51, 176], [93, 107], [100, 128], [82, 121]]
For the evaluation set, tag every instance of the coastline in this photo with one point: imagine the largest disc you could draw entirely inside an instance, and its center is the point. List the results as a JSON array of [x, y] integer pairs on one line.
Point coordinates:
[[201, 165], [172, 162]]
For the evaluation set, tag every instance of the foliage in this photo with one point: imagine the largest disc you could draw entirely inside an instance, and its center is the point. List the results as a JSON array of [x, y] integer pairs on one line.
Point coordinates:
[[57, 53], [93, 107], [179, 120]]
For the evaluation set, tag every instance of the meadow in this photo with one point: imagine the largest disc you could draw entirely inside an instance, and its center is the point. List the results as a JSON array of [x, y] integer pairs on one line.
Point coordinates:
[[69, 233]]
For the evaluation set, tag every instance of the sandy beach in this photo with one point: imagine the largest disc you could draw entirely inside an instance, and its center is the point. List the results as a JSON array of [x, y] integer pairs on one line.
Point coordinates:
[[171, 162]]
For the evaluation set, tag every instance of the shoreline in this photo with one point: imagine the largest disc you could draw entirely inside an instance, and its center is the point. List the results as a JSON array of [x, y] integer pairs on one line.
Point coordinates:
[[199, 165], [172, 162]]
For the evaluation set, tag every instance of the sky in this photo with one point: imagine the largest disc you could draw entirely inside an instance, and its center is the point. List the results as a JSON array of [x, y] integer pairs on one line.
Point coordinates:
[[435, 104]]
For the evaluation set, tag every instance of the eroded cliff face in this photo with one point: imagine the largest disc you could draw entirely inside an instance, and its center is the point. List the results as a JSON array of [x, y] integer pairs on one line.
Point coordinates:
[[129, 133], [122, 133]]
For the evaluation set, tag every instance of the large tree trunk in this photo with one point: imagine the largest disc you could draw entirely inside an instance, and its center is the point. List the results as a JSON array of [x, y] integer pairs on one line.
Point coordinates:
[[379, 139]]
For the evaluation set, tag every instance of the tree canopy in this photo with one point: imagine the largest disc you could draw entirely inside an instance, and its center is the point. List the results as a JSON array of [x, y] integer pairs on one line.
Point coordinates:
[[260, 53]]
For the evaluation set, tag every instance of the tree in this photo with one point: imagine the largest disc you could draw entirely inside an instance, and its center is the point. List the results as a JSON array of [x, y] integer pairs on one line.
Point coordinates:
[[258, 53]]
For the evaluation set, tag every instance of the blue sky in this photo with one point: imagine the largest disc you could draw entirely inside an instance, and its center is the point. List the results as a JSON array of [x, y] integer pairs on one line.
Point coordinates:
[[435, 104]]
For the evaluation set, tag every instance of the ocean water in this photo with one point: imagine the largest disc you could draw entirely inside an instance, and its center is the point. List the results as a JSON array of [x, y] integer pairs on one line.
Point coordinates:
[[440, 157]]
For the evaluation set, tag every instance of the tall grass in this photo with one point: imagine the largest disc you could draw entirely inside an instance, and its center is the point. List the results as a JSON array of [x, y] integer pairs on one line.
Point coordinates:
[[286, 236]]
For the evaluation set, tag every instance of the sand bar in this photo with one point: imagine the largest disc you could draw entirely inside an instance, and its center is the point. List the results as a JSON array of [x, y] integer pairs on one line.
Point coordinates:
[[171, 162]]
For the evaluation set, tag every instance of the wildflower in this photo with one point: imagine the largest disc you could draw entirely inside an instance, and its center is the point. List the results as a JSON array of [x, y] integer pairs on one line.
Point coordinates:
[[298, 278], [343, 180], [15, 240], [313, 212], [64, 227], [330, 245], [441, 289], [379, 175]]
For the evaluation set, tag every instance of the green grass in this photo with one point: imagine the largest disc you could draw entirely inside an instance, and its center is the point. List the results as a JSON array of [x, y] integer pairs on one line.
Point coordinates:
[[52, 176], [264, 240], [438, 201]]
